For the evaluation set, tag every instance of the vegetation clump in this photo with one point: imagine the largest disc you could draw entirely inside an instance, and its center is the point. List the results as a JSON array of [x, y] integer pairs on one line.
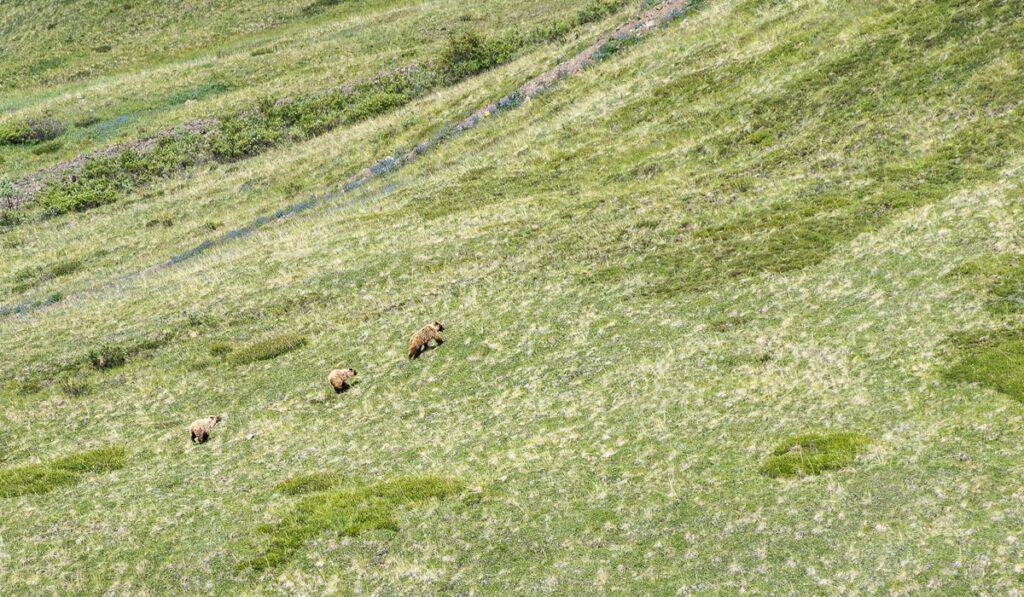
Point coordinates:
[[45, 477], [995, 360], [34, 276], [813, 454], [347, 511], [309, 483], [267, 348], [108, 357], [33, 130]]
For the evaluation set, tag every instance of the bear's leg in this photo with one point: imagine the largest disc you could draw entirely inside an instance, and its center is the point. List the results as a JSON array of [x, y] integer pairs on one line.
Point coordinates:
[[205, 436]]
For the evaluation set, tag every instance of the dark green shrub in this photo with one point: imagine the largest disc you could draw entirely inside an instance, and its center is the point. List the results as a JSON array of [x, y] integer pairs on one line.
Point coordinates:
[[62, 198], [108, 357], [267, 348], [33, 130], [469, 53], [14, 133], [247, 134]]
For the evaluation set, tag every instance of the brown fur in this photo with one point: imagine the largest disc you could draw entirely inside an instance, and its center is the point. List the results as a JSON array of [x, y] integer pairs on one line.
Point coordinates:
[[421, 339], [339, 379], [201, 428]]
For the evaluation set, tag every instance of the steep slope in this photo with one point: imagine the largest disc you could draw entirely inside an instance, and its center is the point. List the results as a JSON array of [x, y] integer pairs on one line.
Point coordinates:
[[764, 220]]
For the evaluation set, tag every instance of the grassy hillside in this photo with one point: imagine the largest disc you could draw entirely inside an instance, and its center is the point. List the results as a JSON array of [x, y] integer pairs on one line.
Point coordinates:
[[737, 308]]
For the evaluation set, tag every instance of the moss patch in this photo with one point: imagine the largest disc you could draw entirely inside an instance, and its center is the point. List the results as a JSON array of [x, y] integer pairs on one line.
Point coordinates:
[[813, 454]]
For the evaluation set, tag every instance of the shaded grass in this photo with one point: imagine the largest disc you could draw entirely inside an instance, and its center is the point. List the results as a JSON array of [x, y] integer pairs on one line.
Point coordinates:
[[267, 348], [347, 512], [813, 454], [45, 477]]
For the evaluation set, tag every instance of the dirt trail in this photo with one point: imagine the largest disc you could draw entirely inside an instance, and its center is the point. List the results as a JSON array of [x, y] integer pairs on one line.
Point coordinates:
[[633, 29]]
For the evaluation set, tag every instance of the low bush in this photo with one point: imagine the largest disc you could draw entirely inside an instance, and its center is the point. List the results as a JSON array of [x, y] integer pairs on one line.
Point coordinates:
[[108, 357], [33, 130], [469, 53]]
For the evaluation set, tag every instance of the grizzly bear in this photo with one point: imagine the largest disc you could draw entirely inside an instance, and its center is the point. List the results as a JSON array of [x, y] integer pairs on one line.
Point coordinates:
[[201, 428], [339, 379], [421, 339]]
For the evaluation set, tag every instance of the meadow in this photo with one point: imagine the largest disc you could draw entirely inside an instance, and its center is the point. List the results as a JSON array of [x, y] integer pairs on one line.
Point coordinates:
[[736, 308]]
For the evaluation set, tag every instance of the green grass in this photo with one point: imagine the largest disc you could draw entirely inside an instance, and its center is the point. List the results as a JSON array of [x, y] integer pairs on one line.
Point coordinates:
[[813, 454], [270, 123], [108, 357], [62, 472], [267, 348], [345, 512], [100, 460], [998, 365], [34, 276], [309, 483], [32, 479], [762, 219]]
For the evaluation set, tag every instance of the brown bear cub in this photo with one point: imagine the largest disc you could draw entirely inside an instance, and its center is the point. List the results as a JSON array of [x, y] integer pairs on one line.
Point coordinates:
[[201, 428], [419, 341], [339, 379]]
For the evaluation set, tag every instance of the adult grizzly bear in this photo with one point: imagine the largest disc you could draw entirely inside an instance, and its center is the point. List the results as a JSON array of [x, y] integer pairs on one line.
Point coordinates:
[[201, 428], [421, 339], [339, 379]]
